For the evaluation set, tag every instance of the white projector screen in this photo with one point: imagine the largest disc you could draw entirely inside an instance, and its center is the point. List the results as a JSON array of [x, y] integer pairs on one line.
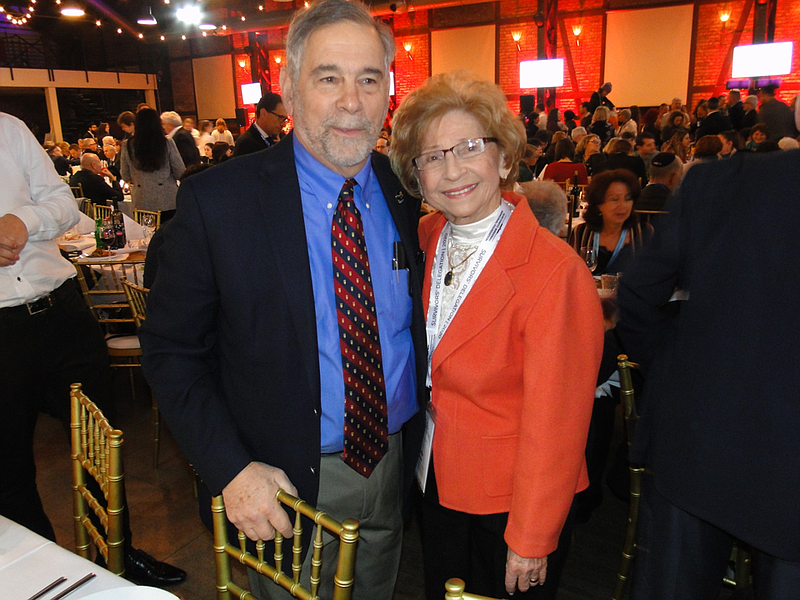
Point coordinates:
[[470, 48], [213, 87], [647, 55]]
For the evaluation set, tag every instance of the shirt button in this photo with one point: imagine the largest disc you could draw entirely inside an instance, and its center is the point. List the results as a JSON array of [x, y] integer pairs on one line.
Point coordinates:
[[330, 205]]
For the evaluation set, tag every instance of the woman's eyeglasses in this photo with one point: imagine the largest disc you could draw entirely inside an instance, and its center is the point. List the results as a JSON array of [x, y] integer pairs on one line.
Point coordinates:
[[466, 149]]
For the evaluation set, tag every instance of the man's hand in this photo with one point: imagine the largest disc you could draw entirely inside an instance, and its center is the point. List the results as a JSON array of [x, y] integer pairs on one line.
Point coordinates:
[[251, 503], [523, 573], [13, 237]]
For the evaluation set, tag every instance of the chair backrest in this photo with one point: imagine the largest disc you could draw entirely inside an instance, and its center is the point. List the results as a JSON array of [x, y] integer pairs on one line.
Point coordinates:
[[102, 211], [346, 531], [455, 591], [96, 451], [626, 394], [137, 299], [148, 218], [101, 285], [77, 190]]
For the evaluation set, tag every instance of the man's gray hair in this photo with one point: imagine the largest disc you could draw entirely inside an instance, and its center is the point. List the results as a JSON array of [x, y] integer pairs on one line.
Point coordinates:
[[172, 118], [331, 12], [662, 174], [577, 133], [548, 201], [625, 112]]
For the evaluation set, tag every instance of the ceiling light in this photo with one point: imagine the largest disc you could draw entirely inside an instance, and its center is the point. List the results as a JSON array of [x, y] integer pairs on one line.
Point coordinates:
[[70, 9], [208, 27], [163, 38], [189, 14], [147, 18]]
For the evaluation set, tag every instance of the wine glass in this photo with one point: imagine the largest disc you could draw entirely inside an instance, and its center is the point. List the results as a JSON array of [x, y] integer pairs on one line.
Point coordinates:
[[589, 256], [148, 225]]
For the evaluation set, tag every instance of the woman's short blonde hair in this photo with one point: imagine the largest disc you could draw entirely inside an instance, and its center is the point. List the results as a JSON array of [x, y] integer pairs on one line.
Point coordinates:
[[601, 113], [441, 94]]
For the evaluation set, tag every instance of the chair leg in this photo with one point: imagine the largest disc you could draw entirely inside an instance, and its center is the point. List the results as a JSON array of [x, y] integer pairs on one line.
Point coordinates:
[[156, 431], [133, 386], [628, 550]]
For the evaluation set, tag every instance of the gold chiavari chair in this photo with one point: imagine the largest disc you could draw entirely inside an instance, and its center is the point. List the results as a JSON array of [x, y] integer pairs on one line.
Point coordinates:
[[77, 190], [101, 285], [455, 591], [647, 215], [137, 300], [740, 555], [346, 531], [148, 218], [96, 450], [101, 211], [636, 471]]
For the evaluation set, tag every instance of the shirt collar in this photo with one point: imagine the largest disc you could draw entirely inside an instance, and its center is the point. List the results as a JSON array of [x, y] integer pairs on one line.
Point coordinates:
[[263, 133], [319, 181]]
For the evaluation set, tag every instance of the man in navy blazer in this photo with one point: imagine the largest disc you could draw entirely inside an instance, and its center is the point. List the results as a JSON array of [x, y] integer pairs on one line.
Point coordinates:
[[721, 409], [241, 343]]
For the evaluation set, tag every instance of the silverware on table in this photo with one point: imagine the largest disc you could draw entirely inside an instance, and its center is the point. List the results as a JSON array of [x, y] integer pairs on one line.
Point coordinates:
[[53, 585], [74, 586]]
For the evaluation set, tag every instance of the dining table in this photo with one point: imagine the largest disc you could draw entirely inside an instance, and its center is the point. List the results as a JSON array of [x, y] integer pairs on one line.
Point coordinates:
[[30, 563]]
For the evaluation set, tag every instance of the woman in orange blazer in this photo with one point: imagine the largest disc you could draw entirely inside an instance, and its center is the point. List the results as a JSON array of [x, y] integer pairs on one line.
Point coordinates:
[[515, 334]]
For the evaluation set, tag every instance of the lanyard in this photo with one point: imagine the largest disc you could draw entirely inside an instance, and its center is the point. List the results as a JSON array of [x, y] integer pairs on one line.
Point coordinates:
[[437, 322], [620, 244]]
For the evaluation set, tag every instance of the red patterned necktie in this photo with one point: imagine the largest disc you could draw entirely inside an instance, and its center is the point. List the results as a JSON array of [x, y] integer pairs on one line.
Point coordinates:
[[366, 425]]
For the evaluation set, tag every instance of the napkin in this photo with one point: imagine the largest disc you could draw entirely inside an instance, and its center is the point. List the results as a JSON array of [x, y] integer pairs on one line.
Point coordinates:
[[133, 231], [85, 225]]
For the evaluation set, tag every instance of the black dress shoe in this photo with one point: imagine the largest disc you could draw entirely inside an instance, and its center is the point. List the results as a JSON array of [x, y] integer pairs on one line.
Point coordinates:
[[143, 569]]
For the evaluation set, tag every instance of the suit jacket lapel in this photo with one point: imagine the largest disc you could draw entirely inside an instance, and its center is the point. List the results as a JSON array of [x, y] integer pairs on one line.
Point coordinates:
[[286, 236]]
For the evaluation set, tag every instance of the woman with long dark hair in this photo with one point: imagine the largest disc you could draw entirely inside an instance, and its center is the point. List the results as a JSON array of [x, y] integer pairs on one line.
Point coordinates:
[[151, 164]]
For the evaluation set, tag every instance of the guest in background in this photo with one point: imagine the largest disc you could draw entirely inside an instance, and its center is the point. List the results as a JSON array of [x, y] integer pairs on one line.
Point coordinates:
[[601, 127], [569, 120], [565, 168], [205, 136], [548, 202], [126, 122], [600, 98], [91, 179], [618, 157], [750, 118], [666, 172], [554, 121], [59, 161], [221, 133], [220, 152], [675, 122], [173, 127], [611, 227], [706, 149], [758, 134], [588, 152], [151, 164], [506, 413], [74, 158], [735, 109], [530, 159], [680, 144], [577, 134], [626, 123], [715, 122], [715, 442], [776, 115], [730, 143], [270, 118]]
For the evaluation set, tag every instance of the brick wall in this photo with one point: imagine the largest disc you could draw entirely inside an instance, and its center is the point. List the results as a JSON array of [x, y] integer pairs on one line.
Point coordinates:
[[787, 28], [410, 73]]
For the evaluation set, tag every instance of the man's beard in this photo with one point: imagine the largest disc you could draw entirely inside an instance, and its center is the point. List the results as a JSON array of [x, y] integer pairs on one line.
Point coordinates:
[[336, 149]]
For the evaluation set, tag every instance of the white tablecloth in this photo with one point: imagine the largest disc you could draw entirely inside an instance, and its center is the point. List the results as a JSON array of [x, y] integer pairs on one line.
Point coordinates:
[[29, 562]]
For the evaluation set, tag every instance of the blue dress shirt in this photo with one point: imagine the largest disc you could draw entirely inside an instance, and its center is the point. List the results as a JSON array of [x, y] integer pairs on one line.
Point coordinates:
[[319, 191]]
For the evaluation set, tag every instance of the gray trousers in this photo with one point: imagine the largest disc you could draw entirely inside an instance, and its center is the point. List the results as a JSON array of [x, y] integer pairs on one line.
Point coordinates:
[[376, 504]]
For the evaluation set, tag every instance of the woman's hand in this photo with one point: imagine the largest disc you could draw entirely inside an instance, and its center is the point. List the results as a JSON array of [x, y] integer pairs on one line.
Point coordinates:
[[523, 573]]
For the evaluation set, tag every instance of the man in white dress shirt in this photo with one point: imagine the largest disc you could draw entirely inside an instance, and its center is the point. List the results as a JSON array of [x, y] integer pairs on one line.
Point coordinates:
[[48, 337]]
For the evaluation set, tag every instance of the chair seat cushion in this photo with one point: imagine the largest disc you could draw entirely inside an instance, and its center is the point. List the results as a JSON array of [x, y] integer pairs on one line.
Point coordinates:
[[123, 342]]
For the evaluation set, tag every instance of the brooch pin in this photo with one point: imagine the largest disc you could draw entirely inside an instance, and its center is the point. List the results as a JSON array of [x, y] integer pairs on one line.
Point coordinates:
[[399, 197]]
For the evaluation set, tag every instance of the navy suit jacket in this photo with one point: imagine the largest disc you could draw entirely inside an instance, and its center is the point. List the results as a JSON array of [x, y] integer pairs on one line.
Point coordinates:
[[721, 413], [230, 342]]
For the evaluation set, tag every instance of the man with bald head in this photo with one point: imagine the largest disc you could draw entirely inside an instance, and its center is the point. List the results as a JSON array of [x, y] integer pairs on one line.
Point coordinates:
[[91, 178]]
